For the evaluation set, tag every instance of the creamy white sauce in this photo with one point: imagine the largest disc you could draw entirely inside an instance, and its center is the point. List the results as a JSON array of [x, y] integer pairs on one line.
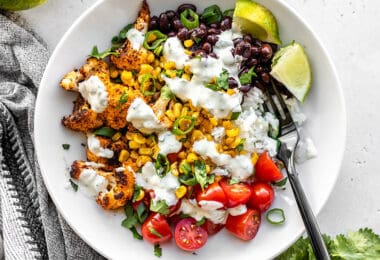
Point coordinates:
[[168, 143], [143, 118], [218, 103], [174, 51], [238, 210], [239, 167], [305, 150], [191, 208], [93, 182], [205, 69], [218, 133], [164, 188], [94, 146], [210, 204], [95, 93], [136, 38]]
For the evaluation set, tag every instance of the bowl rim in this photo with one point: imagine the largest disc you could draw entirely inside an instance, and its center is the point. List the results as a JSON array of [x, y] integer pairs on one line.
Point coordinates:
[[284, 4]]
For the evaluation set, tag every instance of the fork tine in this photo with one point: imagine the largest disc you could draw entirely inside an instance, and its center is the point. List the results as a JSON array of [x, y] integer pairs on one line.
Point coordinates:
[[288, 118], [273, 104]]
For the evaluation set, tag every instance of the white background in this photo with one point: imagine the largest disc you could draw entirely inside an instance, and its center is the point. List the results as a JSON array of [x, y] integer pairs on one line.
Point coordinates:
[[350, 29]]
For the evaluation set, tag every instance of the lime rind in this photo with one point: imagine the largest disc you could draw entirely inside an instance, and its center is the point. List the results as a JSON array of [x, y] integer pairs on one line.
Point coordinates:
[[291, 67], [18, 5]]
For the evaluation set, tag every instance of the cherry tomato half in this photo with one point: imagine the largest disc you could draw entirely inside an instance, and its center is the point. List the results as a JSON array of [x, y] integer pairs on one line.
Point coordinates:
[[266, 169], [244, 226], [237, 194], [262, 196], [156, 229], [172, 157], [212, 193], [189, 236], [211, 227]]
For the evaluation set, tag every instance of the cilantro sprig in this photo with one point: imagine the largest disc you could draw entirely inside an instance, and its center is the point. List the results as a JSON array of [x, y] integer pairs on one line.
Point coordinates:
[[246, 78], [221, 82], [101, 55]]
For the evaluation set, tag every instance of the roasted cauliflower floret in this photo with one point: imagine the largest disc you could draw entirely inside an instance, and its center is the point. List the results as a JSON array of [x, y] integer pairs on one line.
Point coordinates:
[[130, 58], [114, 187], [159, 109], [71, 79]]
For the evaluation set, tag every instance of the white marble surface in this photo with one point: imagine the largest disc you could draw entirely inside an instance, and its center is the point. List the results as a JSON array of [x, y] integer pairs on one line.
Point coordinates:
[[350, 30]]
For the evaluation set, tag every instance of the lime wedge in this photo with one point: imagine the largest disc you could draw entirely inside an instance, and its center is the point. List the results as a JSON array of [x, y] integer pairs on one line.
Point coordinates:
[[256, 20], [291, 67], [16, 5]]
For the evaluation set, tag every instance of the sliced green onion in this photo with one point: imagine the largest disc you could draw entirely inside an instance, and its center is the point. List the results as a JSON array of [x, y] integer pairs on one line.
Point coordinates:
[[105, 131], [185, 168], [189, 19], [212, 14], [66, 146], [187, 179], [123, 32], [162, 165], [235, 115], [144, 88], [275, 216], [153, 39], [158, 50], [157, 250], [74, 185], [177, 131], [229, 12], [153, 231], [281, 183]]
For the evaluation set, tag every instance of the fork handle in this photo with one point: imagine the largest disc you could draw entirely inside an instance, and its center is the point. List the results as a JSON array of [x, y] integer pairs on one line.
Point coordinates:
[[308, 217]]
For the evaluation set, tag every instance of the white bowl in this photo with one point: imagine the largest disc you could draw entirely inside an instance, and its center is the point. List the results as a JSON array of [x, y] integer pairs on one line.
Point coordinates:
[[101, 229]]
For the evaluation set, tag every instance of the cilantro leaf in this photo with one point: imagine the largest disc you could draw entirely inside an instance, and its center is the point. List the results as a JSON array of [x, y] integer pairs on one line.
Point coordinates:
[[166, 93], [95, 53], [233, 181], [131, 219], [136, 192], [135, 233], [66, 146], [235, 115], [222, 80], [105, 131], [157, 250], [201, 222], [162, 165], [240, 146], [74, 185], [200, 173], [141, 212], [246, 78], [160, 207]]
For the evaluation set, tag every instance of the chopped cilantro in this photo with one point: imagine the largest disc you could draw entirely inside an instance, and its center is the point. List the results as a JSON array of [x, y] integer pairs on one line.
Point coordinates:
[[66, 146], [74, 185], [135, 233], [235, 115], [246, 78], [105, 131], [160, 207], [95, 53], [200, 222], [233, 181], [157, 250]]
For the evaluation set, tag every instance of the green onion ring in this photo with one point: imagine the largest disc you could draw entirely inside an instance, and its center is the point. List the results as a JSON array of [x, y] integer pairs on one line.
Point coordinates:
[[144, 79], [189, 24], [275, 211], [177, 131], [160, 37]]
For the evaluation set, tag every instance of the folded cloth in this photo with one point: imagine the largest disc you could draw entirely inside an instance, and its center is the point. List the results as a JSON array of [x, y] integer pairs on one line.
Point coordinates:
[[30, 226]]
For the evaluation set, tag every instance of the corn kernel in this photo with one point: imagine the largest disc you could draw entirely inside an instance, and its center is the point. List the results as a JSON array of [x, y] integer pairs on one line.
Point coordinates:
[[170, 115], [188, 43], [145, 151], [187, 145], [130, 135], [174, 169], [123, 156], [171, 73], [138, 138], [227, 124], [213, 121], [150, 57], [208, 168], [218, 178], [187, 52], [177, 109], [134, 145], [156, 72], [195, 114], [229, 140], [235, 143], [232, 132], [146, 69], [116, 136], [196, 135], [254, 158], [169, 65], [186, 69], [191, 157], [152, 37], [182, 155], [209, 137], [156, 150], [114, 73], [232, 153], [141, 195], [230, 92], [180, 191], [126, 77], [244, 152], [142, 160], [184, 111], [186, 77], [134, 155]]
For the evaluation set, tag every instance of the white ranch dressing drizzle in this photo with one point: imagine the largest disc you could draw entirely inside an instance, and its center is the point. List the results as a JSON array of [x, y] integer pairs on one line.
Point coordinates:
[[93, 182], [174, 51], [136, 38], [94, 146], [191, 208], [168, 143], [143, 118], [238, 210], [95, 93]]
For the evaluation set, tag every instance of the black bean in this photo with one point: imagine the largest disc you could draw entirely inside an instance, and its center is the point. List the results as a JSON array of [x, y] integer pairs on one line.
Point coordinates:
[[232, 83], [170, 14], [266, 52], [255, 51], [212, 39], [182, 33], [247, 38], [200, 52], [213, 31], [251, 62], [172, 34], [265, 77], [236, 41], [207, 47], [258, 84], [274, 47], [239, 48], [164, 22], [153, 23], [203, 26], [183, 7], [246, 53], [177, 24], [245, 88], [226, 23], [243, 70], [213, 54], [199, 33], [257, 42], [259, 69]]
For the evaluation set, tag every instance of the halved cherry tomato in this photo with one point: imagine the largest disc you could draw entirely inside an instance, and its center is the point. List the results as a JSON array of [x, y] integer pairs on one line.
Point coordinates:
[[189, 236], [172, 157], [156, 229], [262, 196], [244, 226], [212, 193], [237, 194], [211, 227], [266, 169]]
